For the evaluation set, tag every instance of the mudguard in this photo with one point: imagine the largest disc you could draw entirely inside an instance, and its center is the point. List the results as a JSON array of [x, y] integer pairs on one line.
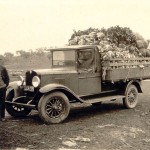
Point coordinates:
[[137, 83], [58, 87], [17, 90]]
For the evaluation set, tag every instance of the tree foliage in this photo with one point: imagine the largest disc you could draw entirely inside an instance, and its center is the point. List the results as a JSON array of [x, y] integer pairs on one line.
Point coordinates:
[[121, 35], [30, 55]]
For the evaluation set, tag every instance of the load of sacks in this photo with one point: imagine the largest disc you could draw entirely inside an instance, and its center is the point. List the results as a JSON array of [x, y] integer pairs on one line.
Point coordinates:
[[115, 42]]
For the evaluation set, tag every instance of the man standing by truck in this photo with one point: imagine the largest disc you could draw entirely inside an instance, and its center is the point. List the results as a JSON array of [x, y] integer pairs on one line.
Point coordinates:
[[4, 81]]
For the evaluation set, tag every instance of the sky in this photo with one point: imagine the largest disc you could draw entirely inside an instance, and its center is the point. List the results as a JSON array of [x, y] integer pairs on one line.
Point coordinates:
[[31, 24]]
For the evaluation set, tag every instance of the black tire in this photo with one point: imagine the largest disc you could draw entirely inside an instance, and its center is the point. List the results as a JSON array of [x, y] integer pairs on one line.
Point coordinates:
[[54, 107], [131, 97], [16, 111]]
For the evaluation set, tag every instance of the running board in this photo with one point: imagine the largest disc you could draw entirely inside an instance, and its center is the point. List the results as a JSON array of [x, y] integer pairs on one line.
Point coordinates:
[[21, 104], [102, 99]]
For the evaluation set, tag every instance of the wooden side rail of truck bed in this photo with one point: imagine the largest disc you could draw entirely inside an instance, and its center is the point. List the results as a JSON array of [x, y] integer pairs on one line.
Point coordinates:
[[125, 69]]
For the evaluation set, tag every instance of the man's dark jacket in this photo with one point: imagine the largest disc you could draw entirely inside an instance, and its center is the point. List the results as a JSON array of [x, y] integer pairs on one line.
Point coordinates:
[[4, 78]]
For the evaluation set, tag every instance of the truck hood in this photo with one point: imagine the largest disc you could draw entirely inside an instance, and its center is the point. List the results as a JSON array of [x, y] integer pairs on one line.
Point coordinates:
[[54, 71]]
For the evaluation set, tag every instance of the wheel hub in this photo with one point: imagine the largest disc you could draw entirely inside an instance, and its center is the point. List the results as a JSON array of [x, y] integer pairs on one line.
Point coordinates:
[[57, 107], [54, 107], [131, 97]]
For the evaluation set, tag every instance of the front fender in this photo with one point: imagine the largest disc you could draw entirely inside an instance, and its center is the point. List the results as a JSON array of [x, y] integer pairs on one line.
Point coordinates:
[[58, 87], [13, 86]]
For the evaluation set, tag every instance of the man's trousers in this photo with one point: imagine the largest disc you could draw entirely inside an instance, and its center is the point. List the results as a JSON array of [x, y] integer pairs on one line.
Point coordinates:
[[2, 102]]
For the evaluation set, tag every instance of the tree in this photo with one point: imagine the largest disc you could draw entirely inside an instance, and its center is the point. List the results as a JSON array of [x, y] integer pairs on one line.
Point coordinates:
[[23, 54], [2, 59], [40, 51], [8, 56], [20, 52]]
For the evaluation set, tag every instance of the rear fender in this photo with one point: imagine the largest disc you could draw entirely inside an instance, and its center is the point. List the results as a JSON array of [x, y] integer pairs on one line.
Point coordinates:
[[137, 83], [58, 87]]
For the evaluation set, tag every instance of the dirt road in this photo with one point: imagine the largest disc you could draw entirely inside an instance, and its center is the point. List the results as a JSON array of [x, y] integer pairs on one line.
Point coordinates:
[[105, 127]]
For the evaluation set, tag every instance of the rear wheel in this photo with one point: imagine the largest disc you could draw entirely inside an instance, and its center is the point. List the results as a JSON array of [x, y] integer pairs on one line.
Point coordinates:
[[54, 107], [131, 97], [16, 111]]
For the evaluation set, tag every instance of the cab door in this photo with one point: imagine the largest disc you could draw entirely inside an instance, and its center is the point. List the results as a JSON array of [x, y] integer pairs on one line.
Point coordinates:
[[89, 83], [89, 78]]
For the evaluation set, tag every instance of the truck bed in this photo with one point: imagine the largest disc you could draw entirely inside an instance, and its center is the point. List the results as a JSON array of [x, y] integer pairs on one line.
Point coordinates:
[[125, 69]]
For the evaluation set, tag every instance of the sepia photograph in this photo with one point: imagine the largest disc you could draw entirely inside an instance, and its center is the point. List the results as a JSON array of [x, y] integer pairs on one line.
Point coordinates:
[[74, 75]]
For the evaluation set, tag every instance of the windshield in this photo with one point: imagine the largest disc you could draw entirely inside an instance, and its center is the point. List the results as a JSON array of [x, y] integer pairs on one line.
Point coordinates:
[[63, 58]]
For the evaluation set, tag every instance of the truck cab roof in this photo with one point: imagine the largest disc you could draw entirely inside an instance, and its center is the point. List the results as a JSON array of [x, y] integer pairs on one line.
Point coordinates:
[[73, 47]]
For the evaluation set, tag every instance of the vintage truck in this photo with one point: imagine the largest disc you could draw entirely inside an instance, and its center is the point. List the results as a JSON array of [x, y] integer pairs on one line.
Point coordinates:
[[76, 74]]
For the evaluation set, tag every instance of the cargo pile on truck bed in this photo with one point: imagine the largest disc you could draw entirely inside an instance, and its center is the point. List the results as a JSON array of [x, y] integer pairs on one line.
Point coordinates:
[[114, 42]]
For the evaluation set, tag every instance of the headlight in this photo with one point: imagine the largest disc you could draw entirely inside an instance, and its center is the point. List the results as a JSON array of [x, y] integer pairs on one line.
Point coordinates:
[[35, 81], [21, 82]]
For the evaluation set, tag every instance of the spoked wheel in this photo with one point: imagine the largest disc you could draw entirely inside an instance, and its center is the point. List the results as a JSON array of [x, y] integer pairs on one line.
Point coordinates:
[[54, 107], [16, 111], [131, 99]]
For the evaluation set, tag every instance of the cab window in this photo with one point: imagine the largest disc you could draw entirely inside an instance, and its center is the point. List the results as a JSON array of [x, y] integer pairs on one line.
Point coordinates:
[[86, 59]]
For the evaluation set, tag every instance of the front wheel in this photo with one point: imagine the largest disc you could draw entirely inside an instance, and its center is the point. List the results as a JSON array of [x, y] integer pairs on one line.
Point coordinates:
[[131, 97], [16, 111], [54, 107]]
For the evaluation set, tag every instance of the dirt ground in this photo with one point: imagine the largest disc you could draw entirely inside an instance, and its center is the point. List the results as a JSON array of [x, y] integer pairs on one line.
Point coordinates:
[[106, 127]]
